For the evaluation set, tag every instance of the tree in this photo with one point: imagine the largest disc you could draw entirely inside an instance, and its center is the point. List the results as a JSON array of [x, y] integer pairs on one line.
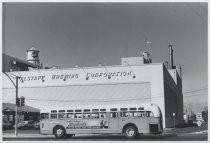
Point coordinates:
[[205, 114]]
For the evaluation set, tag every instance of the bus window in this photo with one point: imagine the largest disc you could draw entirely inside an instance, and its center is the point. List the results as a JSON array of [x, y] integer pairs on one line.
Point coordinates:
[[61, 115], [133, 114], [70, 110], [149, 114], [78, 115], [53, 116], [86, 115], [141, 114], [123, 109], [123, 114], [44, 115], [133, 109], [70, 115], [95, 115], [95, 110], [113, 109], [86, 110], [103, 115], [78, 110], [113, 114], [102, 109], [141, 108]]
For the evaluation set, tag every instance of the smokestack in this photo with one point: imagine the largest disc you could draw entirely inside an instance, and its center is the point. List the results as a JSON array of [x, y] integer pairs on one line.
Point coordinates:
[[171, 64]]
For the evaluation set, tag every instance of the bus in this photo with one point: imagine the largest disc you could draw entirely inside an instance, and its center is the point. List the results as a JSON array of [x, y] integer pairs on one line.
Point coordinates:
[[127, 119]]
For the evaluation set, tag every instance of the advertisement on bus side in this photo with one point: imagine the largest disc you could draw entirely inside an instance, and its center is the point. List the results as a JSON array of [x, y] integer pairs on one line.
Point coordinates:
[[87, 124]]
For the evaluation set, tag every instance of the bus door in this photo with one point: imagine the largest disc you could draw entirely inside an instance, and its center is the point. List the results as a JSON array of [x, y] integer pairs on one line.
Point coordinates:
[[113, 121]]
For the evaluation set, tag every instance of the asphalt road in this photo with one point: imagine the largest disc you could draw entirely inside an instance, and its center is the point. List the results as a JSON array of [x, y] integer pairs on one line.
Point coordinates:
[[162, 137], [180, 134], [185, 137]]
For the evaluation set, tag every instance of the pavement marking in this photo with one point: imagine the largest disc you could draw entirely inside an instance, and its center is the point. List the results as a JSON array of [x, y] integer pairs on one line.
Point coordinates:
[[201, 132]]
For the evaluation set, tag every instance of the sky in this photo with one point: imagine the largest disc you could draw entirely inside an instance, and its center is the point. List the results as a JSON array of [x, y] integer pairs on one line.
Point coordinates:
[[87, 34]]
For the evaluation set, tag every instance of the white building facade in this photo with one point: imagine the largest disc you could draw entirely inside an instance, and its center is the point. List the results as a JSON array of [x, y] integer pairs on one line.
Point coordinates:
[[127, 83]]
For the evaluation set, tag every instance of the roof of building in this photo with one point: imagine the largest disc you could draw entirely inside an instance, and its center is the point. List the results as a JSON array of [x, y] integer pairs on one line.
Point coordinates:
[[18, 60], [32, 49], [11, 107]]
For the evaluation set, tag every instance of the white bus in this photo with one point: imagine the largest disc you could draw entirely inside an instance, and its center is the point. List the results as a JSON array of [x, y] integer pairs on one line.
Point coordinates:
[[127, 119]]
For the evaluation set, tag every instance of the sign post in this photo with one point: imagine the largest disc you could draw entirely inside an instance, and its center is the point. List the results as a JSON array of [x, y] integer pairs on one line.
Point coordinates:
[[199, 123], [174, 119]]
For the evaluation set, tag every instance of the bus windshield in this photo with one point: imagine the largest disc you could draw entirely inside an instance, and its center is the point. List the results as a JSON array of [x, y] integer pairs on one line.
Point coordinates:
[[44, 115]]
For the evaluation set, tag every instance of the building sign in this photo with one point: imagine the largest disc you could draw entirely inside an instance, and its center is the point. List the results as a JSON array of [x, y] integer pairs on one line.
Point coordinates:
[[198, 116], [76, 76], [87, 124]]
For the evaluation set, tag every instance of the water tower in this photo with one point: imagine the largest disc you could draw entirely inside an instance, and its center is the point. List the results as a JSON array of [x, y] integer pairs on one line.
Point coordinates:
[[33, 56]]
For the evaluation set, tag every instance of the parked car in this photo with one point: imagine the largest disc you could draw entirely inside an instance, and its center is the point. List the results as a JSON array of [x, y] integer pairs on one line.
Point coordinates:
[[37, 124], [25, 125], [7, 125]]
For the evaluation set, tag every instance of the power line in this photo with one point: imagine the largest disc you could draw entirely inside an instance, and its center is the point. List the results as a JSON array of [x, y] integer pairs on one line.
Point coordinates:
[[196, 12], [195, 95], [195, 90], [90, 100]]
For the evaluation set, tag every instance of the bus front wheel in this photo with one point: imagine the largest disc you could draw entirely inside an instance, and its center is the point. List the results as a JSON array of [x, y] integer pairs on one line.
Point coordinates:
[[59, 132], [130, 132]]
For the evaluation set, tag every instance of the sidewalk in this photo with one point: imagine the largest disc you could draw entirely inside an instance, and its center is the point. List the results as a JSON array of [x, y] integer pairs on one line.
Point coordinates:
[[22, 135], [189, 130]]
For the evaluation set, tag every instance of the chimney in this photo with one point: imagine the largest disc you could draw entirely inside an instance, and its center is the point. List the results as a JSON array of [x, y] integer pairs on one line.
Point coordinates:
[[171, 65]]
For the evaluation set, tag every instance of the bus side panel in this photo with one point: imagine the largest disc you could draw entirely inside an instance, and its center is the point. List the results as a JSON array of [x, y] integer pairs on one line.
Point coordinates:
[[141, 123], [46, 126]]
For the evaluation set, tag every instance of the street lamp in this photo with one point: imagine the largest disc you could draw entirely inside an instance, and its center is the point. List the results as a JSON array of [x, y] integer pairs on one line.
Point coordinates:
[[174, 119]]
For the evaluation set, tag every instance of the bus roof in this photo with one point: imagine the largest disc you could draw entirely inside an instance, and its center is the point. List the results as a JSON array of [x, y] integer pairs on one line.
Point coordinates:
[[145, 106]]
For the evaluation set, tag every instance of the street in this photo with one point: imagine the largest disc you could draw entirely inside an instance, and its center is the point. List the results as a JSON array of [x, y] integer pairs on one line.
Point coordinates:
[[178, 134], [171, 137]]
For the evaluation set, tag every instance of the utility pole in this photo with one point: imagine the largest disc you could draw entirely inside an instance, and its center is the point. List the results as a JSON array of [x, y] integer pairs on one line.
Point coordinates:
[[16, 98], [16, 111]]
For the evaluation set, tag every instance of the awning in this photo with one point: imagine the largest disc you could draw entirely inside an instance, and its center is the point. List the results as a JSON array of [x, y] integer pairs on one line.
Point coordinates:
[[11, 107]]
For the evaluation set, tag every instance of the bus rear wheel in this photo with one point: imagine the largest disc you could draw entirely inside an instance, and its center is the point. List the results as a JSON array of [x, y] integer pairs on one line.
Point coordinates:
[[130, 132], [59, 132]]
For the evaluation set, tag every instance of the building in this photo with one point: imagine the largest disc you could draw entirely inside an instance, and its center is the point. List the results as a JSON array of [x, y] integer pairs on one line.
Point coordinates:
[[136, 80], [14, 64], [25, 113]]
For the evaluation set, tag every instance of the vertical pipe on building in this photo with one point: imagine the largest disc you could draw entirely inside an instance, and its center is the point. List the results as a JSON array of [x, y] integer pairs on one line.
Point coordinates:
[[170, 57]]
